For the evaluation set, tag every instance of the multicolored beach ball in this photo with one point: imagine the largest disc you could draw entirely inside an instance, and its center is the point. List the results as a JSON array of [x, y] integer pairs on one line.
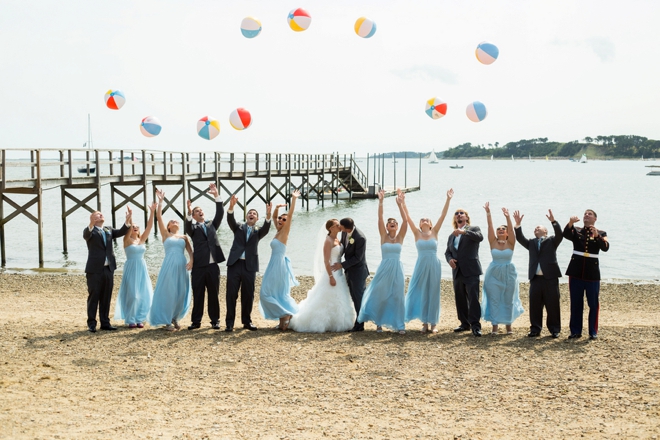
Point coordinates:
[[476, 111], [365, 27], [299, 20], [208, 128], [487, 53], [436, 108], [114, 99], [250, 27], [240, 119], [150, 126]]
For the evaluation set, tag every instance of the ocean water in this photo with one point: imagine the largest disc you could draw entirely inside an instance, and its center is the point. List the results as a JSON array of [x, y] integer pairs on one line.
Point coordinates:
[[625, 199]]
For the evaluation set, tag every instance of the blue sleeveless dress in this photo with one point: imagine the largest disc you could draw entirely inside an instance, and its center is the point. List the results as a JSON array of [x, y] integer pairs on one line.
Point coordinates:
[[135, 291], [172, 292], [501, 301], [275, 299], [423, 298], [383, 302]]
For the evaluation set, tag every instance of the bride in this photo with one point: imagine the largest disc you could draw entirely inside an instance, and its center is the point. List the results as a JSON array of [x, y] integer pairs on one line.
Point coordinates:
[[328, 306]]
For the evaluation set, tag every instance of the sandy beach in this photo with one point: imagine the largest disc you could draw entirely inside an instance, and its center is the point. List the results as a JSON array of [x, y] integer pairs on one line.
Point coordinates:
[[59, 381]]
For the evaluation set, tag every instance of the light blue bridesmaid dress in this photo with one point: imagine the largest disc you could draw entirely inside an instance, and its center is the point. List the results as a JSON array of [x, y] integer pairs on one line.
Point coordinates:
[[275, 299], [423, 298], [383, 302], [135, 291], [501, 301], [172, 293]]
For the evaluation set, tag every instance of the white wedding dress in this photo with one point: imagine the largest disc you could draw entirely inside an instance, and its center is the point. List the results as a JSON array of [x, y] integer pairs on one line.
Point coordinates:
[[327, 308]]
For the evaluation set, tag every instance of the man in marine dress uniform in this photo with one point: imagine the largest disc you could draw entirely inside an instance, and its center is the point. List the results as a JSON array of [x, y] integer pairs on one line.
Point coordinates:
[[584, 271]]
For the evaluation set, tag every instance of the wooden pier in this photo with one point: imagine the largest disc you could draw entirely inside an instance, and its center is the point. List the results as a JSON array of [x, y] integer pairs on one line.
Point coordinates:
[[133, 177]]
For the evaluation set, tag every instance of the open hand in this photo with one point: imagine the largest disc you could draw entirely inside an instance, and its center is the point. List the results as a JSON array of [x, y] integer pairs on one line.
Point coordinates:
[[487, 207], [213, 190], [550, 216], [517, 217]]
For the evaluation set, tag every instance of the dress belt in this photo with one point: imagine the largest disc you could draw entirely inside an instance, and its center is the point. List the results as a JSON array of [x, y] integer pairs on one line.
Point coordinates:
[[585, 254]]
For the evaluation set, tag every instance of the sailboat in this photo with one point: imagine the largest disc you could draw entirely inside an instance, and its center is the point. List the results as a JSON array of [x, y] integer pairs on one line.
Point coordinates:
[[530, 158], [512, 157], [583, 159], [491, 157], [88, 168], [432, 157]]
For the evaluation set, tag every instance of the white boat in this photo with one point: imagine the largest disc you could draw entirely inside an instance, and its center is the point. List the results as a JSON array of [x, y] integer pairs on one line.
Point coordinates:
[[491, 157], [88, 168], [432, 157], [530, 158], [512, 157], [583, 159], [456, 167]]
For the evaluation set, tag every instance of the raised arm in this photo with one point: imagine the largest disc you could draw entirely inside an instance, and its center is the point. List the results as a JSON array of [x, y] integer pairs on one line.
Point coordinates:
[[509, 226], [231, 220], [491, 231], [164, 233], [381, 224], [517, 216], [569, 230], [286, 228], [404, 222], [413, 228], [555, 226], [219, 208], [150, 223], [441, 220]]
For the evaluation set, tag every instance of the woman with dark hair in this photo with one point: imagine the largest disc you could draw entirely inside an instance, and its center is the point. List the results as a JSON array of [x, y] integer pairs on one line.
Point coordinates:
[[328, 306], [383, 301], [500, 303], [135, 292], [423, 297], [275, 300], [172, 293]]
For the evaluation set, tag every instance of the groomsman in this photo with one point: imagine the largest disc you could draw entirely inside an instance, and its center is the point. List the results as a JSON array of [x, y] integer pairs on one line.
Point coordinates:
[[243, 263], [544, 274], [584, 271], [354, 265], [207, 254], [462, 254], [100, 267]]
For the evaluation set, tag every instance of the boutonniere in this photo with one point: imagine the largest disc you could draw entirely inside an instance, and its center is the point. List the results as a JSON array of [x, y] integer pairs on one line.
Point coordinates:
[[351, 241]]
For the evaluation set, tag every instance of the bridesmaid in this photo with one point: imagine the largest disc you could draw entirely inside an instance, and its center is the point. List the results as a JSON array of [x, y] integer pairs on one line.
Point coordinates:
[[275, 300], [500, 302], [135, 292], [172, 292], [383, 301], [423, 297]]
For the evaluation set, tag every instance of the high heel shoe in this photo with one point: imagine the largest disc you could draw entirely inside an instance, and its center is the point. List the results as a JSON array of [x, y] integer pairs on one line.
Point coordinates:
[[379, 329], [425, 328], [285, 324]]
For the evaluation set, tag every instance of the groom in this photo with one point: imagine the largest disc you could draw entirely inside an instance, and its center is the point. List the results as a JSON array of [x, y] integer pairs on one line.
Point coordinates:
[[354, 265]]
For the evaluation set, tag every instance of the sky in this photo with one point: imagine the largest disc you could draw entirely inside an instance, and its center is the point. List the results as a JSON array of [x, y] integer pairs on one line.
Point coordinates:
[[566, 70]]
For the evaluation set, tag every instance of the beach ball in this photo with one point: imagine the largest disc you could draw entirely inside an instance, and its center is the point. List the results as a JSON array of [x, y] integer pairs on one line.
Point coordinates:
[[436, 108], [240, 119], [114, 99], [476, 111], [486, 52], [150, 126], [365, 28], [250, 27], [208, 128], [299, 20]]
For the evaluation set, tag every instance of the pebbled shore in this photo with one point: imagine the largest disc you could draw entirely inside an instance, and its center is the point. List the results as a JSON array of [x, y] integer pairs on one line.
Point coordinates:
[[58, 381]]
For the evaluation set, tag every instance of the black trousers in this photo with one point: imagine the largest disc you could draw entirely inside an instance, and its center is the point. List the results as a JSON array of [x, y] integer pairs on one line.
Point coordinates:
[[239, 278], [544, 293], [466, 295], [356, 279], [205, 278], [99, 289]]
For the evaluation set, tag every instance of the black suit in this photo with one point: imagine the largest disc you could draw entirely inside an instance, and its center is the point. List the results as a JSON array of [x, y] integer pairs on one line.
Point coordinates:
[[466, 276], [543, 289], [242, 272], [355, 268], [99, 276], [206, 274]]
